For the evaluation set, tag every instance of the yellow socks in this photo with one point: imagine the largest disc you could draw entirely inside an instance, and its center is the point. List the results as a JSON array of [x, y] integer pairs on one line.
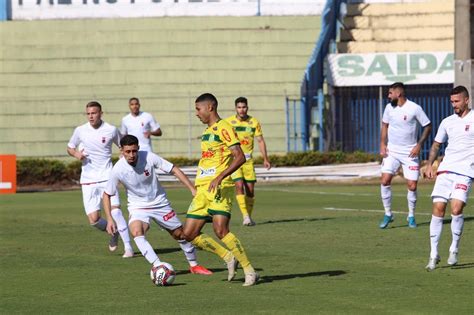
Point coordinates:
[[207, 243], [237, 249], [249, 201], [242, 202]]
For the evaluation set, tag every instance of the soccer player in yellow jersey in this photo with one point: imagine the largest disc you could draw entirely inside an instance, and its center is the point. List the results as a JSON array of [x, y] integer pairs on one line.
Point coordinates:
[[247, 128], [221, 155]]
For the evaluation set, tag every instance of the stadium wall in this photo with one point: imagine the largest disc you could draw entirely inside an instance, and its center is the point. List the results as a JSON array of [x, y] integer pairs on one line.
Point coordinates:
[[50, 69]]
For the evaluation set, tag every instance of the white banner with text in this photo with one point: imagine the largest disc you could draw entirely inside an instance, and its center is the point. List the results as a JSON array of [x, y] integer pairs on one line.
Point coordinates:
[[84, 9], [386, 68]]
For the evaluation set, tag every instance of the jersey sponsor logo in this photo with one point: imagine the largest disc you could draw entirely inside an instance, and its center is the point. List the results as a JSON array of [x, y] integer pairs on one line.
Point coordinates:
[[169, 215], [206, 172], [461, 187], [226, 135], [207, 154], [413, 168], [146, 172], [467, 128], [103, 139], [244, 142]]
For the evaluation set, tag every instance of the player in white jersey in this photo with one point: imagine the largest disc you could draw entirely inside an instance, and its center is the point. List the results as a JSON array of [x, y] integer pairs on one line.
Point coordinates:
[[141, 125], [399, 146], [147, 200], [91, 143], [454, 176]]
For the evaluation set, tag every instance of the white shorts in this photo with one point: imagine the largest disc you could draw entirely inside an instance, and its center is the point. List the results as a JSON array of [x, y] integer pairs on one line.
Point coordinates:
[[452, 186], [164, 217], [92, 197], [410, 165]]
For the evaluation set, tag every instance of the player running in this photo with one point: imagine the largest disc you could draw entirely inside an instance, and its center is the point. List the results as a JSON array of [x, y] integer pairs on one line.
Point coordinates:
[[248, 128], [147, 200]]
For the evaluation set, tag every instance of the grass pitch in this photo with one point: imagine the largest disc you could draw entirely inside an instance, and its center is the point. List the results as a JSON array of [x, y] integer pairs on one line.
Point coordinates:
[[318, 249]]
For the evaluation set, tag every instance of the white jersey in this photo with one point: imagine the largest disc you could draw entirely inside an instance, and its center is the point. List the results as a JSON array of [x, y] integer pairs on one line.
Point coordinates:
[[137, 125], [144, 191], [459, 154], [403, 126], [97, 145]]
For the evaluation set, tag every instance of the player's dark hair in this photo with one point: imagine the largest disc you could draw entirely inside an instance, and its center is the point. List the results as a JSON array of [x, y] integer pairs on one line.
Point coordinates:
[[207, 97], [241, 99], [460, 89], [94, 104], [399, 86], [134, 99], [128, 140]]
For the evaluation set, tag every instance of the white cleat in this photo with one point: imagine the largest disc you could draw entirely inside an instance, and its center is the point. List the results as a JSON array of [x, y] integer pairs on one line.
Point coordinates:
[[232, 268], [248, 221], [128, 253], [251, 279], [432, 262], [453, 259]]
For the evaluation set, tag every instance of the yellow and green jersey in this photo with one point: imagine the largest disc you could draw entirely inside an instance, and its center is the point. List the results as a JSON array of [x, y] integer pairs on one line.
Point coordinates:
[[215, 153], [246, 130]]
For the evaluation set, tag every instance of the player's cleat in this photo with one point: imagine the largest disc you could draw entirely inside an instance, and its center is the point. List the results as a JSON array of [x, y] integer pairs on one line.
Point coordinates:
[[248, 221], [386, 220], [432, 262], [114, 242], [200, 270], [128, 253], [411, 222], [251, 279], [232, 268], [452, 259]]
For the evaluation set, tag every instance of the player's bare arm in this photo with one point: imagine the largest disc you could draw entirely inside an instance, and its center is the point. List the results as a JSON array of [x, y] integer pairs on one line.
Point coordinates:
[[156, 133], [111, 229], [237, 161], [383, 139], [263, 149], [178, 173], [76, 154], [432, 157], [417, 148]]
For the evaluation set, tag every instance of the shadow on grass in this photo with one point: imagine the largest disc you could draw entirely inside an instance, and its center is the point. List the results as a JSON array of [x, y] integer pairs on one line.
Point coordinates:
[[445, 221], [293, 220], [459, 266], [271, 278]]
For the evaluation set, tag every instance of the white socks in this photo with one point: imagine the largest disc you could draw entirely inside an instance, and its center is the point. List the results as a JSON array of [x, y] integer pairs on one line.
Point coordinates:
[[436, 226], [189, 252], [457, 224], [411, 197], [146, 249], [101, 224], [386, 194], [122, 228]]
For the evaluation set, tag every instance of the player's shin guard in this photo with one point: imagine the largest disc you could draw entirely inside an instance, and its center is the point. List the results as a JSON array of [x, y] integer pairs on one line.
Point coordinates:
[[242, 204], [146, 249], [249, 201], [457, 224], [411, 198], [436, 227], [189, 251], [386, 194], [122, 228], [207, 243], [101, 224], [233, 243]]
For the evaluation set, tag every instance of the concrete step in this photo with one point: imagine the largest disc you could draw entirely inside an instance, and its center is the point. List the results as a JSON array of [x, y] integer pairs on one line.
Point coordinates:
[[391, 9], [414, 33], [394, 22]]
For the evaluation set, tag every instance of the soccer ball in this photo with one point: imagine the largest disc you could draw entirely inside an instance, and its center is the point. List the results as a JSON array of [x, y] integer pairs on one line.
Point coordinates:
[[163, 274]]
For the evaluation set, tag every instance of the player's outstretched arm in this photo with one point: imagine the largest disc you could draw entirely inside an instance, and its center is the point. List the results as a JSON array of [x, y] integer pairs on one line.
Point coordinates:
[[111, 229], [178, 173], [263, 149]]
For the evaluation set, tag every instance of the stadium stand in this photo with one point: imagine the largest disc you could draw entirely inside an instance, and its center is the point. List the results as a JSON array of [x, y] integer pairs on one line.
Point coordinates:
[[51, 69]]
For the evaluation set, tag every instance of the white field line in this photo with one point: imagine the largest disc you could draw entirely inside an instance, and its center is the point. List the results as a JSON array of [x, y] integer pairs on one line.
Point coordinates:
[[371, 210], [337, 193]]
